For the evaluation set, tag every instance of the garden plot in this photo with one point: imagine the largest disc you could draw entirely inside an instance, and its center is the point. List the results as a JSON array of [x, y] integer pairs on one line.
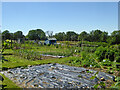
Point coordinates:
[[55, 76]]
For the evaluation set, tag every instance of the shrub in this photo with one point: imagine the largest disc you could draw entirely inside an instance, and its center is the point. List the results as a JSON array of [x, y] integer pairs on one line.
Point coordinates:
[[100, 52], [75, 60], [105, 53], [83, 55]]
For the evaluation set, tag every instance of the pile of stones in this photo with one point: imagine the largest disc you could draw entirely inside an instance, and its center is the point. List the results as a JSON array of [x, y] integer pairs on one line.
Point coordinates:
[[54, 76]]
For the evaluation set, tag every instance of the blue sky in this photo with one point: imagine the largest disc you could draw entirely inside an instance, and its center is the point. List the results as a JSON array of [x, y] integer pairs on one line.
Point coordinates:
[[60, 16]]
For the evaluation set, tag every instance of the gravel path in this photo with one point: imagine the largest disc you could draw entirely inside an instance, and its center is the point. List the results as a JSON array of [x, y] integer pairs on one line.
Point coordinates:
[[54, 76]]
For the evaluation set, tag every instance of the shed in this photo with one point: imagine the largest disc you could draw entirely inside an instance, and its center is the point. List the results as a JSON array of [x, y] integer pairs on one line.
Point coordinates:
[[50, 41]]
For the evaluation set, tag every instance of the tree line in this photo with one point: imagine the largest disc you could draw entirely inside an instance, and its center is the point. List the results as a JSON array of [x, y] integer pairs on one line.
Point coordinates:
[[92, 36]]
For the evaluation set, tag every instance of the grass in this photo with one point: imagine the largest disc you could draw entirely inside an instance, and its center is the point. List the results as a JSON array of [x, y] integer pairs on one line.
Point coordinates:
[[9, 83], [16, 61]]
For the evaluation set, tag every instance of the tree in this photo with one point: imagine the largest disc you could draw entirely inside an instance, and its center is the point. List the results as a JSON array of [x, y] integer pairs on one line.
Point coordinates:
[[95, 35], [41, 34], [12, 36], [115, 37], [71, 36], [104, 36], [18, 34], [60, 36], [83, 36], [32, 35], [37, 34], [6, 35]]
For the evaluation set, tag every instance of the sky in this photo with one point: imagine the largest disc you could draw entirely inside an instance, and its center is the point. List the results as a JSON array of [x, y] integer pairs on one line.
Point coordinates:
[[60, 16]]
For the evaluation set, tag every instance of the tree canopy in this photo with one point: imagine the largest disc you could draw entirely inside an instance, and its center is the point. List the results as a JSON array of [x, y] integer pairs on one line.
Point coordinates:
[[6, 35], [93, 36], [83, 36], [71, 36], [37, 34], [60, 36], [18, 34]]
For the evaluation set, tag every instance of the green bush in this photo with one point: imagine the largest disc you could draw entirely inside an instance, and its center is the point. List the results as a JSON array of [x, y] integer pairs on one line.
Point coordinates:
[[100, 52], [75, 60], [105, 53], [83, 55]]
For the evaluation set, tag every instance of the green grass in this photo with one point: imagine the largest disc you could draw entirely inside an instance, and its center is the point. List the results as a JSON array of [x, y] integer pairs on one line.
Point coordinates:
[[16, 61], [6, 51], [9, 83]]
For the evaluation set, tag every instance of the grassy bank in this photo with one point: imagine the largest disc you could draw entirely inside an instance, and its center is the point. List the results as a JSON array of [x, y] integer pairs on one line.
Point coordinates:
[[8, 83]]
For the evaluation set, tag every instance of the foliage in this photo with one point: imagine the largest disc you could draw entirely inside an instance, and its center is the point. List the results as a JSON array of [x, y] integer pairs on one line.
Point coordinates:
[[18, 34], [37, 34], [117, 84], [30, 55], [105, 53], [61, 36], [75, 60], [83, 36], [6, 35], [6, 44], [93, 36], [106, 62], [115, 37], [71, 36], [85, 60]]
